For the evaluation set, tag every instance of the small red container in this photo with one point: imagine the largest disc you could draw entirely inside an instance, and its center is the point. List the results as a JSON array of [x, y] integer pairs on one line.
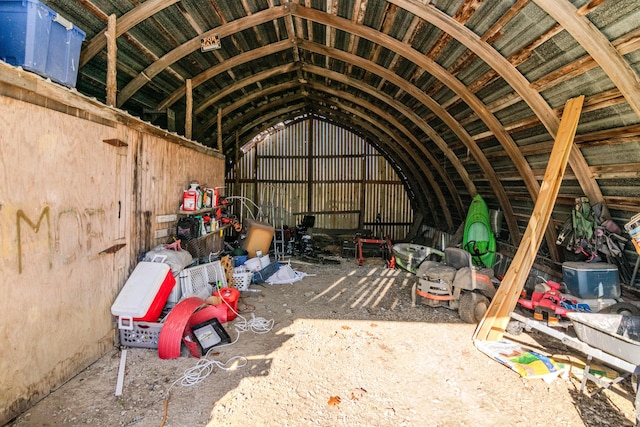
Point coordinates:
[[189, 200], [230, 296]]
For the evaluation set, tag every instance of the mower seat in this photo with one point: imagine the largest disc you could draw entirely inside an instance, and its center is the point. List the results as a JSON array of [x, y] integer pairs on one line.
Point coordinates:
[[441, 273]]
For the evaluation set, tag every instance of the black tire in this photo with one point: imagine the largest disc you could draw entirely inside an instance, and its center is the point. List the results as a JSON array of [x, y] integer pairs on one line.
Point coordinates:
[[624, 308], [473, 307]]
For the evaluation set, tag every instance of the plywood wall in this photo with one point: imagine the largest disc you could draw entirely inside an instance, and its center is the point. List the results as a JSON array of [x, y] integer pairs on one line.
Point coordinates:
[[68, 200]]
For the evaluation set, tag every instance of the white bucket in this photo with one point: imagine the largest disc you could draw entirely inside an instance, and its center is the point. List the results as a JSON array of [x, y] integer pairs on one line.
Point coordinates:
[[253, 264]]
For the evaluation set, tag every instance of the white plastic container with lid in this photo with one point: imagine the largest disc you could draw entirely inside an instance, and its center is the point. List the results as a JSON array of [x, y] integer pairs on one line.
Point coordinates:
[[144, 294]]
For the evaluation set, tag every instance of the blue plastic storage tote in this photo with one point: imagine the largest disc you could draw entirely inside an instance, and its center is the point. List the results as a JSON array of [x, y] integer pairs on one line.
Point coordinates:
[[38, 39]]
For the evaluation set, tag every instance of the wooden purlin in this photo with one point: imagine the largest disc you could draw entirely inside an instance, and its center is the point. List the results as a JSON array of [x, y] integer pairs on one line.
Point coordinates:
[[494, 323]]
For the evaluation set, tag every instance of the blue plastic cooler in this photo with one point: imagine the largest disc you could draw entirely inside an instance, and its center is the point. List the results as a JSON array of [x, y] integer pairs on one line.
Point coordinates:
[[38, 39]]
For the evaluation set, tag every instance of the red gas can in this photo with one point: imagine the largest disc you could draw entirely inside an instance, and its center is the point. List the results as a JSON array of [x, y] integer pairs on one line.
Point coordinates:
[[230, 297], [189, 200]]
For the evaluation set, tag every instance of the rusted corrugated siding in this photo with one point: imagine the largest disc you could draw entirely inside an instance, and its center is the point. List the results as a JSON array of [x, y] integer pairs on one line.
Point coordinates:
[[314, 167]]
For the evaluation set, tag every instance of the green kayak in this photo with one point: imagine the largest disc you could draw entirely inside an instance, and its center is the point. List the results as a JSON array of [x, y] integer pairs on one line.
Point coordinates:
[[478, 239]]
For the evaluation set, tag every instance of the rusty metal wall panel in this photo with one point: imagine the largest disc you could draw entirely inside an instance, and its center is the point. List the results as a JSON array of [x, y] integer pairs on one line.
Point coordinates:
[[343, 167]]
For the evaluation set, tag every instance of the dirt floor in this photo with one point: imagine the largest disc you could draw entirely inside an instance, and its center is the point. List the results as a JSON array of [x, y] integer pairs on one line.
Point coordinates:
[[346, 348]]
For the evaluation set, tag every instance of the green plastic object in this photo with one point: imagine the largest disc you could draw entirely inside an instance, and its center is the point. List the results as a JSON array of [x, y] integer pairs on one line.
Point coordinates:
[[478, 239]]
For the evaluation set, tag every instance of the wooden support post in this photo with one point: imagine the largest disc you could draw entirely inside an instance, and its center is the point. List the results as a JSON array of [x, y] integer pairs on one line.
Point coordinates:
[[112, 49], [256, 165], [188, 119], [495, 321], [236, 164], [363, 192], [310, 142], [220, 130]]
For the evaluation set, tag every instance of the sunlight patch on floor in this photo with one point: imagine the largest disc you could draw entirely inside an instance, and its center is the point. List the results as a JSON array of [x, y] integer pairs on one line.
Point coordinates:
[[362, 289]]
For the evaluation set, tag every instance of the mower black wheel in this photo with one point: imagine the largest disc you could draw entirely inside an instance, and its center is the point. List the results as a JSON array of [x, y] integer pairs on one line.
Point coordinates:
[[624, 308], [473, 306]]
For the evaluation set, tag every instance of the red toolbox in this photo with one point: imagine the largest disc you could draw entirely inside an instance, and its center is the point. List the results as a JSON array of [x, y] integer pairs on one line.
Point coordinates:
[[144, 294]]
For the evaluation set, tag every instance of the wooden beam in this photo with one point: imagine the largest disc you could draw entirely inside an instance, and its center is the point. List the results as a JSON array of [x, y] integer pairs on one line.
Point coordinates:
[[192, 45], [127, 21], [236, 164], [112, 50], [494, 323], [389, 76], [226, 66], [220, 129], [188, 119], [512, 76], [598, 46], [310, 171]]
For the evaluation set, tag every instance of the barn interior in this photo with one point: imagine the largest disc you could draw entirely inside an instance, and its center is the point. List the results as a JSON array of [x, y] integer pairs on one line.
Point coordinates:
[[359, 123]]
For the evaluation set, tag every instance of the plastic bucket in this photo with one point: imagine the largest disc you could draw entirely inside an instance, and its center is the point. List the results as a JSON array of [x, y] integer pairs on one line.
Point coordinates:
[[239, 260], [253, 264]]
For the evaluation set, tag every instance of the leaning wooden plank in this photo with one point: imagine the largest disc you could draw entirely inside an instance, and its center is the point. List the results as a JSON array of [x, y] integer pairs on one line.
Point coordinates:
[[120, 382], [495, 321]]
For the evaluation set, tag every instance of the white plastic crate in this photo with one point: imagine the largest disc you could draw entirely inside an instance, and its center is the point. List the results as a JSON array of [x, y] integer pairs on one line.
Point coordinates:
[[141, 334], [200, 280]]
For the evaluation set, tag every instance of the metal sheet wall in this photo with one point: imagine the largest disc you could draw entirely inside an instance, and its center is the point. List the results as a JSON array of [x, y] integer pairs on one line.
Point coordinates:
[[313, 167]]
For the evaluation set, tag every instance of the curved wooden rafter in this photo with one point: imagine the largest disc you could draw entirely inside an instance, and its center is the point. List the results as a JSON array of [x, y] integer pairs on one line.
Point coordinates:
[[518, 82], [123, 24], [461, 34], [375, 110], [458, 87], [230, 63], [429, 131], [598, 46], [268, 115], [187, 47]]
